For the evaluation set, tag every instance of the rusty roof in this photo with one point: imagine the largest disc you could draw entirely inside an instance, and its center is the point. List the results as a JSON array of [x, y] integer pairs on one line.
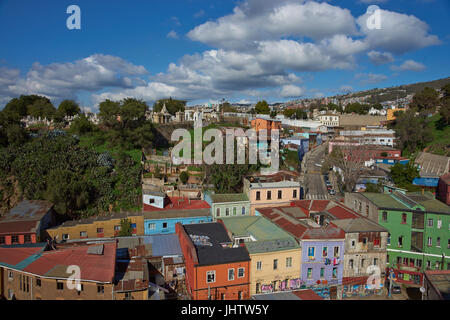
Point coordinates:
[[27, 210]]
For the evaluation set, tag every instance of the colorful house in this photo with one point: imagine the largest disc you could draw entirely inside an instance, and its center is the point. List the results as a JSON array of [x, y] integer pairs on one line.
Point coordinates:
[[27, 222], [322, 247], [275, 255], [228, 205], [215, 269], [177, 210], [418, 226]]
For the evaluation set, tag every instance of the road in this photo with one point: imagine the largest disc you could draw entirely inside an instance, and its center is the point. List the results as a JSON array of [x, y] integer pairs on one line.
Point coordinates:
[[313, 179]]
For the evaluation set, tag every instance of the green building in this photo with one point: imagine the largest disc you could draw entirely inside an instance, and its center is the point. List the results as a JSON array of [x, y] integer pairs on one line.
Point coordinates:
[[419, 230], [228, 205]]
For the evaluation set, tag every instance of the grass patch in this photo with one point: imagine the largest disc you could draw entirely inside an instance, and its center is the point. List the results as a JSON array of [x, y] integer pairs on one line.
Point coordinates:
[[441, 137]]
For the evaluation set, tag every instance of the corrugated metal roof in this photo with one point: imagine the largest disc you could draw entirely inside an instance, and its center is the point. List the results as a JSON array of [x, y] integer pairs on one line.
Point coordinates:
[[164, 244]]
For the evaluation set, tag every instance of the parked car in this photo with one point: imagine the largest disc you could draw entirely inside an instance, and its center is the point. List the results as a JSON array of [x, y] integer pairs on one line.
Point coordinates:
[[396, 288], [332, 192], [328, 183]]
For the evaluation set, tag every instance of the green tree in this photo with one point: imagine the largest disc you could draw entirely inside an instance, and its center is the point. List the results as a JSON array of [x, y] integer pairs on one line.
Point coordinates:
[[81, 125], [412, 131], [425, 100], [172, 105], [227, 107], [108, 112], [262, 107], [68, 108], [126, 229], [444, 111], [300, 114], [42, 108], [16, 135], [273, 114], [184, 176], [404, 174], [288, 113]]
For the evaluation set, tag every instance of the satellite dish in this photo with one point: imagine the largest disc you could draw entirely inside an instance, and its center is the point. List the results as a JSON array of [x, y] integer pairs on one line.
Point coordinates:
[[422, 289]]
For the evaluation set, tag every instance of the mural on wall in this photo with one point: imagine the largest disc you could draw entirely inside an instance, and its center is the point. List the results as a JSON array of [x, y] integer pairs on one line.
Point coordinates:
[[292, 284]]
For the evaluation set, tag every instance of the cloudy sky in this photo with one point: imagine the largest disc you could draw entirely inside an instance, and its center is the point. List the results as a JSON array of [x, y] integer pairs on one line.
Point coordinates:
[[204, 50]]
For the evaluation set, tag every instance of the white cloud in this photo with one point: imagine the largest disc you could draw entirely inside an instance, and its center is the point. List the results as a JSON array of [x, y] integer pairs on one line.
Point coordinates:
[[370, 78], [379, 58], [172, 34], [409, 65], [291, 91], [399, 32]]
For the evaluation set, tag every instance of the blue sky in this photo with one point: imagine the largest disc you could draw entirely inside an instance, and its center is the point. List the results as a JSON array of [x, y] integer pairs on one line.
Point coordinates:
[[204, 51]]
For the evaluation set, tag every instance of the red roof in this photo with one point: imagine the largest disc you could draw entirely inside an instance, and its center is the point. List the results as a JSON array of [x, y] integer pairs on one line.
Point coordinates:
[[21, 227], [319, 205], [179, 203], [307, 294], [329, 232], [342, 213], [95, 267], [13, 256]]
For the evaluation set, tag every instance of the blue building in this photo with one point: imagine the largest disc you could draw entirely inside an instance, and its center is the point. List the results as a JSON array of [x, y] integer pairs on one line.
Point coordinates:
[[182, 210]]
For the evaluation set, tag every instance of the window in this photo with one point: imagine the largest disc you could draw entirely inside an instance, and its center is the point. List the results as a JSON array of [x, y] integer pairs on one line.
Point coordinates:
[[438, 242], [241, 272], [259, 265], [405, 261], [275, 264], [227, 212], [59, 285], [230, 274], [350, 263], [336, 252], [258, 195], [309, 275], [2, 240], [325, 252], [38, 282], [399, 260], [152, 226], [100, 288], [400, 241], [99, 230], [419, 263], [428, 264], [430, 223], [430, 241], [218, 212], [211, 276], [385, 215], [353, 244], [294, 194], [65, 236], [322, 273], [15, 239], [362, 262], [10, 275], [234, 211], [243, 210], [83, 234], [288, 262], [311, 252], [269, 195], [334, 273], [388, 240], [404, 217], [375, 261], [364, 240], [439, 223], [127, 295], [240, 295], [280, 194], [152, 200], [27, 238], [164, 225], [116, 228], [437, 265]]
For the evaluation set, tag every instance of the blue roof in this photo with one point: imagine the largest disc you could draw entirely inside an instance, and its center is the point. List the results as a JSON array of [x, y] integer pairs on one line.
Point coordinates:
[[164, 244], [426, 182]]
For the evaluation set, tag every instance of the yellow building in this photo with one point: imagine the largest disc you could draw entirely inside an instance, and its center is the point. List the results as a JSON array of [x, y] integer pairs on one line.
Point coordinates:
[[97, 227], [275, 255], [271, 190], [390, 113]]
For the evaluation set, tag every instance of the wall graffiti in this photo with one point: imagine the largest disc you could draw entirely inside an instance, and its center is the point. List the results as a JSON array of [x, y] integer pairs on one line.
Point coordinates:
[[291, 284]]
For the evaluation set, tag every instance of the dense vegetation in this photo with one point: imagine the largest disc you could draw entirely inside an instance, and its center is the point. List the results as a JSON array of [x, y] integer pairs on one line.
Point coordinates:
[[172, 105]]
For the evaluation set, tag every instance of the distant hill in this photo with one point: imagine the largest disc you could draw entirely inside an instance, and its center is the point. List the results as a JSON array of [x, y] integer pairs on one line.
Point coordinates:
[[392, 93]]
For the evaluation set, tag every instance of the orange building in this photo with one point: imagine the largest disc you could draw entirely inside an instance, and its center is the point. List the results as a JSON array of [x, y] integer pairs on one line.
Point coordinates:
[[267, 124], [215, 269]]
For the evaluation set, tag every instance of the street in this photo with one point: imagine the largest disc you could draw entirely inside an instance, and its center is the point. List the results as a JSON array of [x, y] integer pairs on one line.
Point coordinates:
[[313, 179]]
